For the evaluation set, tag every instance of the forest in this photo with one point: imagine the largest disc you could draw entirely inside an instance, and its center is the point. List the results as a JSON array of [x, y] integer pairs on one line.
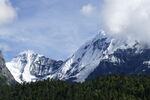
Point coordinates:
[[110, 87]]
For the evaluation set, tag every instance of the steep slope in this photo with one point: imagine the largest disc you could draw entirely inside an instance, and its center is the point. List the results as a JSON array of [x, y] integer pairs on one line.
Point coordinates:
[[128, 61], [5, 75], [104, 54], [29, 66], [85, 62]]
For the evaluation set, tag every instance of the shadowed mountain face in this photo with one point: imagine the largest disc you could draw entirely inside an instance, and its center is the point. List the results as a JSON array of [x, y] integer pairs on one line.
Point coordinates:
[[128, 62], [102, 55], [5, 75]]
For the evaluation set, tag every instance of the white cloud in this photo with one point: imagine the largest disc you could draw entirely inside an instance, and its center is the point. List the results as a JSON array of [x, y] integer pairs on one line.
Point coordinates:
[[4, 47], [128, 17], [7, 12], [87, 9]]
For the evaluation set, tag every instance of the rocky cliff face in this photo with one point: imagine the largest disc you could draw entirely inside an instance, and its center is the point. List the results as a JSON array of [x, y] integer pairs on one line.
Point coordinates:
[[4, 72], [30, 66]]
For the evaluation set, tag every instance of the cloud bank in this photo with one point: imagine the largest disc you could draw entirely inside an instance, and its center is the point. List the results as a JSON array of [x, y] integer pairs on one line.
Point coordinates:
[[7, 12], [127, 17]]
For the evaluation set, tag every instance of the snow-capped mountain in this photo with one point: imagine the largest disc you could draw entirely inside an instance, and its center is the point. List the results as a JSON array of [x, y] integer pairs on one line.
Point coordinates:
[[29, 66], [105, 54], [86, 61]]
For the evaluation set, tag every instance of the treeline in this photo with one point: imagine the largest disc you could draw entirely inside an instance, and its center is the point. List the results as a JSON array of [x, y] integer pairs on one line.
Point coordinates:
[[111, 87], [3, 80]]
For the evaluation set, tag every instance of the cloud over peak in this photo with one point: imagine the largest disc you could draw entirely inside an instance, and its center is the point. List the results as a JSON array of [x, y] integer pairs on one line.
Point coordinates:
[[128, 17]]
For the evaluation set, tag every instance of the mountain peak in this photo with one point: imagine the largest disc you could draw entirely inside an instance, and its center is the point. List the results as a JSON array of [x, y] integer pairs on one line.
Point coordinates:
[[102, 55], [29, 53], [29, 66]]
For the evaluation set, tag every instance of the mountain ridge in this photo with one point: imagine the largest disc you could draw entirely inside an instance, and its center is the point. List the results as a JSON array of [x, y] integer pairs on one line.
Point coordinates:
[[104, 54]]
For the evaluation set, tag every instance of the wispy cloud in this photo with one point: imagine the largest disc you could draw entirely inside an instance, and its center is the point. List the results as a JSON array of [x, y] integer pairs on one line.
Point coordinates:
[[4, 47], [55, 28], [87, 9], [7, 12]]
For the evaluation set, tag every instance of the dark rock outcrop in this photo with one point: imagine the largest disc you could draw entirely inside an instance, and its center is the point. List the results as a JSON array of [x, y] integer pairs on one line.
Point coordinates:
[[4, 72]]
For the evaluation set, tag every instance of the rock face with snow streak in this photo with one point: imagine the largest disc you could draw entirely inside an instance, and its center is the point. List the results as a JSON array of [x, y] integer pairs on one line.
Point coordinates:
[[105, 54], [99, 56], [29, 66]]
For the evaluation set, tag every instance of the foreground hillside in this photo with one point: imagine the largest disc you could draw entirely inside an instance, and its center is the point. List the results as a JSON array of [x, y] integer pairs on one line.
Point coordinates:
[[113, 87]]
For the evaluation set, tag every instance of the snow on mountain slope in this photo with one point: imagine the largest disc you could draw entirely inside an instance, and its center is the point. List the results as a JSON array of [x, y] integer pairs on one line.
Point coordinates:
[[104, 54], [29, 66], [87, 58]]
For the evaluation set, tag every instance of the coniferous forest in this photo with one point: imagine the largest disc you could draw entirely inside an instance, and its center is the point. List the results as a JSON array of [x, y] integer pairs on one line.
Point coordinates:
[[111, 87]]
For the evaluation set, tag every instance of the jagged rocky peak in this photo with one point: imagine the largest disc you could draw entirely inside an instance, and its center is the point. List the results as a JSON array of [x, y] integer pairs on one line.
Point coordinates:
[[104, 54], [4, 72], [87, 58], [30, 66]]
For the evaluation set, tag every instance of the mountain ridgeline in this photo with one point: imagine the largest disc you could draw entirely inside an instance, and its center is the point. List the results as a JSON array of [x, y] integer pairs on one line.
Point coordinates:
[[103, 55]]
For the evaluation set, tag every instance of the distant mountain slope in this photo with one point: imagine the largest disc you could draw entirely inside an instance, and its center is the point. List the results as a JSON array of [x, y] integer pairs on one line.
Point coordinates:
[[104, 54], [5, 75]]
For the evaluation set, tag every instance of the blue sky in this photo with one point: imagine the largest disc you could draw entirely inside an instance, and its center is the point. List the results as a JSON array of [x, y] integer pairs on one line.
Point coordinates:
[[55, 28]]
